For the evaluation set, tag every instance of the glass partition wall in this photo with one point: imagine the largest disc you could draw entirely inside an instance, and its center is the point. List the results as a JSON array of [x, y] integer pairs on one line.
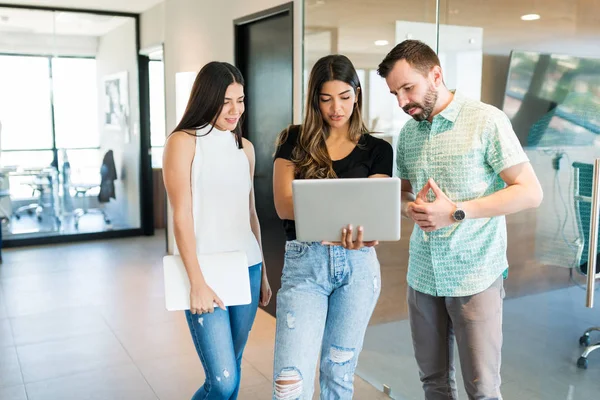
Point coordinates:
[[70, 136], [538, 62]]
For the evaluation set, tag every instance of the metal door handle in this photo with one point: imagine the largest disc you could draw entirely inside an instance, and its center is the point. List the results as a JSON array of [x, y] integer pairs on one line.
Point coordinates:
[[593, 244]]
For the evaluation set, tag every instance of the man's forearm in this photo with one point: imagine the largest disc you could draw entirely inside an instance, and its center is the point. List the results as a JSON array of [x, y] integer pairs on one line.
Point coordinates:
[[509, 200]]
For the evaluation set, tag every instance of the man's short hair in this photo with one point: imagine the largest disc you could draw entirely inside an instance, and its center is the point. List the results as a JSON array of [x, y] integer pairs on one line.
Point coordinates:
[[416, 53]]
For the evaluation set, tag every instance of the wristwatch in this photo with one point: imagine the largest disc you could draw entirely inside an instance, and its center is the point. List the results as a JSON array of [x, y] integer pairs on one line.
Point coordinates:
[[459, 214]]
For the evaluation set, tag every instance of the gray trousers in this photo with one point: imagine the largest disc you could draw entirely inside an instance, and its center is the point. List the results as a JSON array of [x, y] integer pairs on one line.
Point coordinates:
[[475, 322]]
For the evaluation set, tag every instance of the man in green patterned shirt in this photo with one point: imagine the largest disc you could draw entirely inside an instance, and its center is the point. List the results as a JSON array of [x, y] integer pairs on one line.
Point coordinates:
[[465, 161]]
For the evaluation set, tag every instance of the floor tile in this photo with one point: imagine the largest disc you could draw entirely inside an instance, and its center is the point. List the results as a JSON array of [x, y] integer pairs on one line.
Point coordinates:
[[152, 341], [58, 281], [134, 314], [118, 383], [175, 377], [13, 392], [6, 336], [10, 370], [22, 300], [252, 376], [179, 377], [2, 305], [363, 390], [66, 357], [260, 349], [261, 358], [32, 267], [256, 392], [57, 325]]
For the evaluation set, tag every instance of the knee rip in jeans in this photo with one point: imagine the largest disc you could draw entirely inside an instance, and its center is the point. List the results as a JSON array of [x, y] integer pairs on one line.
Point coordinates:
[[340, 355], [288, 384]]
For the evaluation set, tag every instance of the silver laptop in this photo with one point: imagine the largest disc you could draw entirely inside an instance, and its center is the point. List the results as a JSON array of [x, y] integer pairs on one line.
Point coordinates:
[[322, 207]]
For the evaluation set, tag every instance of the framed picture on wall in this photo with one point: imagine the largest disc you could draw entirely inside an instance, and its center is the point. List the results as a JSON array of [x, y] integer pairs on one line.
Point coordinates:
[[116, 102]]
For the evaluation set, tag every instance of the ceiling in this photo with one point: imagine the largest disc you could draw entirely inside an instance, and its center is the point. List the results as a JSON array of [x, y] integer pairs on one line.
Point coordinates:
[[130, 6], [565, 25], [22, 21]]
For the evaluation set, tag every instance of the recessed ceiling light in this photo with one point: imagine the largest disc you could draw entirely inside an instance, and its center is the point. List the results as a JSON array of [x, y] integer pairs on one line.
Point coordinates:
[[381, 43], [530, 17]]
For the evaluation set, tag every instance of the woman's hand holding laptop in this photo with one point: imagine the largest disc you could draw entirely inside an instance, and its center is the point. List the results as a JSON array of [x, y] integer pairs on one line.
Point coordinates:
[[348, 243]]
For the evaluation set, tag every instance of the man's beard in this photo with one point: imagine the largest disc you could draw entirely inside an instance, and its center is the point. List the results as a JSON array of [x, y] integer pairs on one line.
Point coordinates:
[[426, 108]]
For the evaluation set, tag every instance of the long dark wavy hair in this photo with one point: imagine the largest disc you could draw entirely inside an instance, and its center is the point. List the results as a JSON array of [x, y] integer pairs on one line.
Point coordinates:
[[310, 156], [207, 98]]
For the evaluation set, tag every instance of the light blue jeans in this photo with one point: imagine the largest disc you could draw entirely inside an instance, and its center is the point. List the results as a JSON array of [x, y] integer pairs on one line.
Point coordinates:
[[220, 339], [324, 305]]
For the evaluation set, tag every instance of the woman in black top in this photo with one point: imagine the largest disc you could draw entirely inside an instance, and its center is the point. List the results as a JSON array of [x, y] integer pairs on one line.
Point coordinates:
[[328, 291]]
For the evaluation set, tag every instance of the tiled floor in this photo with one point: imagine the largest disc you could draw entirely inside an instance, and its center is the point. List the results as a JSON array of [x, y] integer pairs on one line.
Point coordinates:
[[87, 321]]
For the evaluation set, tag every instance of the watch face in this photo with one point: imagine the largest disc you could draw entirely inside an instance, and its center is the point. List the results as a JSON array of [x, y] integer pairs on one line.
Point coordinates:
[[459, 215]]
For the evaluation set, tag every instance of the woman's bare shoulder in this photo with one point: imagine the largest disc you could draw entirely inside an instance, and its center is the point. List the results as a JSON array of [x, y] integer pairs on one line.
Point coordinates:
[[180, 145], [183, 136]]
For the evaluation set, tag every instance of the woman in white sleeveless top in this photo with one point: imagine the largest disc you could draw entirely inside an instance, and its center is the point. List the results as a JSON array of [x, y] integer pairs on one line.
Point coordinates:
[[208, 169]]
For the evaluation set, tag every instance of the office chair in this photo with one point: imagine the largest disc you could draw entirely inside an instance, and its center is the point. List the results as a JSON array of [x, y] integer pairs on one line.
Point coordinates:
[[42, 183], [38, 187], [105, 188], [82, 190], [5, 200], [582, 186]]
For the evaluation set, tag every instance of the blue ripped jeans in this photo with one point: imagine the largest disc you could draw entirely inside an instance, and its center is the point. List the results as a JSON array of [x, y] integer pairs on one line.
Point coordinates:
[[324, 305], [220, 339]]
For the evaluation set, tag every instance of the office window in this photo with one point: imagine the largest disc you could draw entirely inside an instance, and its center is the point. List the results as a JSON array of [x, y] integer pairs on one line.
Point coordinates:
[[20, 185], [47, 104], [74, 82], [26, 159], [25, 110]]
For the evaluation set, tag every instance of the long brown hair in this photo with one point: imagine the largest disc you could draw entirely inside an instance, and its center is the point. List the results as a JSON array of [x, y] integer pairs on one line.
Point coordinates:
[[310, 155], [208, 96]]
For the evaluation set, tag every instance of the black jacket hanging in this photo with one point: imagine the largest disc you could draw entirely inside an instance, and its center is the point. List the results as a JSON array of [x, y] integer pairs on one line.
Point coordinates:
[[108, 175]]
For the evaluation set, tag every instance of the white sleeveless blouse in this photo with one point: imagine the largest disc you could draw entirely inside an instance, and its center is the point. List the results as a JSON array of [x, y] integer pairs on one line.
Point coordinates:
[[221, 187]]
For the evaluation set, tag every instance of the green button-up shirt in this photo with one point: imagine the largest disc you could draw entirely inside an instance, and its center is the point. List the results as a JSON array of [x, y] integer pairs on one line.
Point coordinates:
[[463, 149]]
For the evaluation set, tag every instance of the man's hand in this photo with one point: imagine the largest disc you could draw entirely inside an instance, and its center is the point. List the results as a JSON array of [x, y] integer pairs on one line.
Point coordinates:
[[435, 215]]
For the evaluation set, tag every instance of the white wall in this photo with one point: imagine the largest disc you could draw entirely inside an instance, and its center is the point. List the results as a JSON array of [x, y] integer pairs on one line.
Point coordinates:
[[152, 27], [117, 53], [44, 44], [197, 32]]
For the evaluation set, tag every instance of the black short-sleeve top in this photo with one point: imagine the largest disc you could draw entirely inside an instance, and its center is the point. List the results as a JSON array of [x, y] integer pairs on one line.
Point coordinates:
[[370, 157]]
